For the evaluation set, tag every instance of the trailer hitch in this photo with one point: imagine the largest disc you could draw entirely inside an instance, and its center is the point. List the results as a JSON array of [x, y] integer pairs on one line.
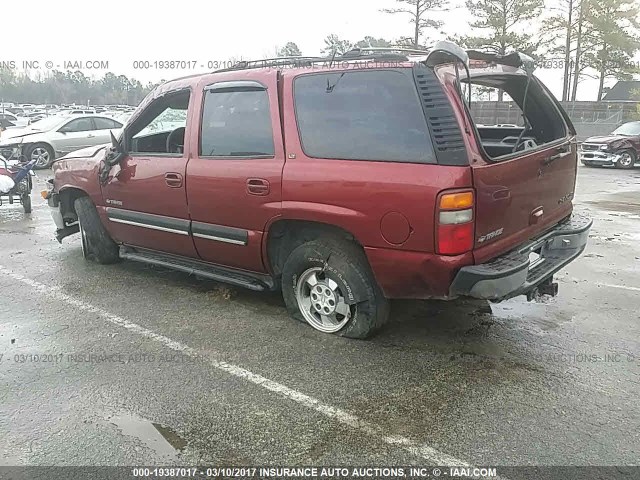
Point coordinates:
[[548, 287]]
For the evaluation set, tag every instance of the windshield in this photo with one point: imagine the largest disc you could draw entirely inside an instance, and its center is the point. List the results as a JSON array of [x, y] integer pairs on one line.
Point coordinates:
[[632, 128], [46, 124], [168, 120]]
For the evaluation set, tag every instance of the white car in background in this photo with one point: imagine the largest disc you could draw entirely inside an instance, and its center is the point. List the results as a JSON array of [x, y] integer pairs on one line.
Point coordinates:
[[14, 121], [54, 137]]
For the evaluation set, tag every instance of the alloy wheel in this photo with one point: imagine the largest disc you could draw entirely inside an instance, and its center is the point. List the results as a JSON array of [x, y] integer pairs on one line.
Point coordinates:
[[83, 241], [321, 301], [625, 159], [41, 155]]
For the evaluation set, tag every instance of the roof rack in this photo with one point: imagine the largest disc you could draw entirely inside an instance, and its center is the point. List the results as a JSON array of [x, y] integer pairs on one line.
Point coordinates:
[[379, 53], [394, 49], [273, 62]]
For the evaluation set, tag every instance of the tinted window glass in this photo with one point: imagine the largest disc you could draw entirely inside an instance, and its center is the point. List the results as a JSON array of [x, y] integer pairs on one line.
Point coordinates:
[[373, 115], [106, 123], [236, 124]]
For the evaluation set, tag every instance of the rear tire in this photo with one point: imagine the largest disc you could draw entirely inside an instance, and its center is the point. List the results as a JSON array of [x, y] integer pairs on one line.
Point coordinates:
[[97, 245], [328, 284], [627, 160]]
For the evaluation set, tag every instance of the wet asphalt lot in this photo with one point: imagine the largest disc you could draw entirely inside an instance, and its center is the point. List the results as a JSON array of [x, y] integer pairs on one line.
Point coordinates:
[[148, 366]]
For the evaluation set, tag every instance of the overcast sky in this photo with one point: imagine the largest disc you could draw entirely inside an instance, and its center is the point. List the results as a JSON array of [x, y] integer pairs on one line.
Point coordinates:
[[124, 31]]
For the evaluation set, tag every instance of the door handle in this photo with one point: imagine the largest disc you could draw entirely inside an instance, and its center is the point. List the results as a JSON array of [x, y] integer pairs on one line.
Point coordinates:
[[565, 152], [90, 136], [173, 180], [536, 215], [258, 186]]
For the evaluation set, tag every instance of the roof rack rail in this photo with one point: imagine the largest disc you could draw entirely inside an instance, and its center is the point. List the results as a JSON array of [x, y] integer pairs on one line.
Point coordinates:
[[382, 54], [272, 62], [391, 49]]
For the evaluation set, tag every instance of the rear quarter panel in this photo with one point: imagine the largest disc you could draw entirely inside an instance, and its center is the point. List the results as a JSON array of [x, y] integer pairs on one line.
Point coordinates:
[[357, 195]]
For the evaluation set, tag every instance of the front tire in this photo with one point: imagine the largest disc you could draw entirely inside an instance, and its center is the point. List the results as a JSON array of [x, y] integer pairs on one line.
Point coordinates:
[[627, 159], [26, 202], [42, 153], [97, 245], [328, 284]]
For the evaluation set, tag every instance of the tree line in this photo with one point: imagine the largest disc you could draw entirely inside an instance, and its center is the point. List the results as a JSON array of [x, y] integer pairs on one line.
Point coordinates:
[[71, 87], [586, 36], [581, 36]]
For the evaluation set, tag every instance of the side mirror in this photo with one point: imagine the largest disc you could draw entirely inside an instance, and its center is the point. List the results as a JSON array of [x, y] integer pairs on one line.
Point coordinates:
[[114, 155], [62, 131], [116, 152]]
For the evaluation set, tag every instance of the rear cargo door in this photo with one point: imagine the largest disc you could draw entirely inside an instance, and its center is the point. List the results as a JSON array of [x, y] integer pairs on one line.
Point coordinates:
[[522, 197]]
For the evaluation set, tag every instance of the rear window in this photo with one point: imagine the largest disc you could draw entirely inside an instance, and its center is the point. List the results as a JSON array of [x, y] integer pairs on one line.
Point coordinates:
[[106, 123], [362, 115]]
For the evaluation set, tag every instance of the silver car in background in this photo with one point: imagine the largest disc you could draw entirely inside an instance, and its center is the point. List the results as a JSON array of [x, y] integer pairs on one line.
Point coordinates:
[[9, 120], [54, 137]]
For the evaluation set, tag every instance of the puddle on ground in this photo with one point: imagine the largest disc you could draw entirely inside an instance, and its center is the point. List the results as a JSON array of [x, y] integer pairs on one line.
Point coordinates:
[[542, 312], [624, 202], [163, 440], [517, 308]]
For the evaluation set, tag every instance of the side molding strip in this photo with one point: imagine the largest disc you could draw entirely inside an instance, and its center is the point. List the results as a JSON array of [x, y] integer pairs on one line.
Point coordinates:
[[147, 220], [206, 231], [219, 233]]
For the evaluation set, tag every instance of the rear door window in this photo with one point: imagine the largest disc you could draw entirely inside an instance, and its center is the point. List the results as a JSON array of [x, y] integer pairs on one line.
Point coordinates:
[[106, 123], [236, 124], [78, 125], [362, 115]]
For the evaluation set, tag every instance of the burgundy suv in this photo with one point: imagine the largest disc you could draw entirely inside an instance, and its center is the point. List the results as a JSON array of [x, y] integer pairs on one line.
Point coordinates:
[[345, 182]]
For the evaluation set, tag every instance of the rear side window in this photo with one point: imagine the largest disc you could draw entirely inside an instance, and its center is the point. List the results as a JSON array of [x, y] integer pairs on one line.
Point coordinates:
[[236, 123], [106, 123], [362, 115]]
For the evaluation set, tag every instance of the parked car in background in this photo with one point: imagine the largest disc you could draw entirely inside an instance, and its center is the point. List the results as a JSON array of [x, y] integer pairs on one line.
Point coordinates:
[[53, 137], [621, 148], [122, 117], [14, 121], [15, 110], [343, 186], [77, 111]]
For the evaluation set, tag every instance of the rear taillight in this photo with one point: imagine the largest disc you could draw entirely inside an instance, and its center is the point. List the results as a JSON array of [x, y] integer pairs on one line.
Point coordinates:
[[455, 225]]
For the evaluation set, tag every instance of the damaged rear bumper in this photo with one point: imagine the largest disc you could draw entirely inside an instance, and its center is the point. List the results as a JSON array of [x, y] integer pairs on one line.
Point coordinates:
[[514, 273]]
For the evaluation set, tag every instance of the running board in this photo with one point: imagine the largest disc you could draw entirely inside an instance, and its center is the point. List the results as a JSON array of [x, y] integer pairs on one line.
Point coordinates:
[[252, 281]]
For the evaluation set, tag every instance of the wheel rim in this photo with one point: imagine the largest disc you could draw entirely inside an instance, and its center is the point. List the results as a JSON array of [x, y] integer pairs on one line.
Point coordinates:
[[625, 160], [321, 301], [83, 240], [41, 156]]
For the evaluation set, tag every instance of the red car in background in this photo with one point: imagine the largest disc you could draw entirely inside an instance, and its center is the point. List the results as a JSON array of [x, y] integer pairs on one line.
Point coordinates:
[[621, 148]]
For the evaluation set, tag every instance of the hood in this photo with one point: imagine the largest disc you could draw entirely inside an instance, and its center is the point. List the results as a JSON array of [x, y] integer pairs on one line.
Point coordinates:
[[605, 139], [17, 133], [88, 152]]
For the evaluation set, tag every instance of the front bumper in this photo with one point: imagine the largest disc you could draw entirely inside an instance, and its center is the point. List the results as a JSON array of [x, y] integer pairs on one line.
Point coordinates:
[[598, 157], [62, 228], [10, 152], [514, 274]]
